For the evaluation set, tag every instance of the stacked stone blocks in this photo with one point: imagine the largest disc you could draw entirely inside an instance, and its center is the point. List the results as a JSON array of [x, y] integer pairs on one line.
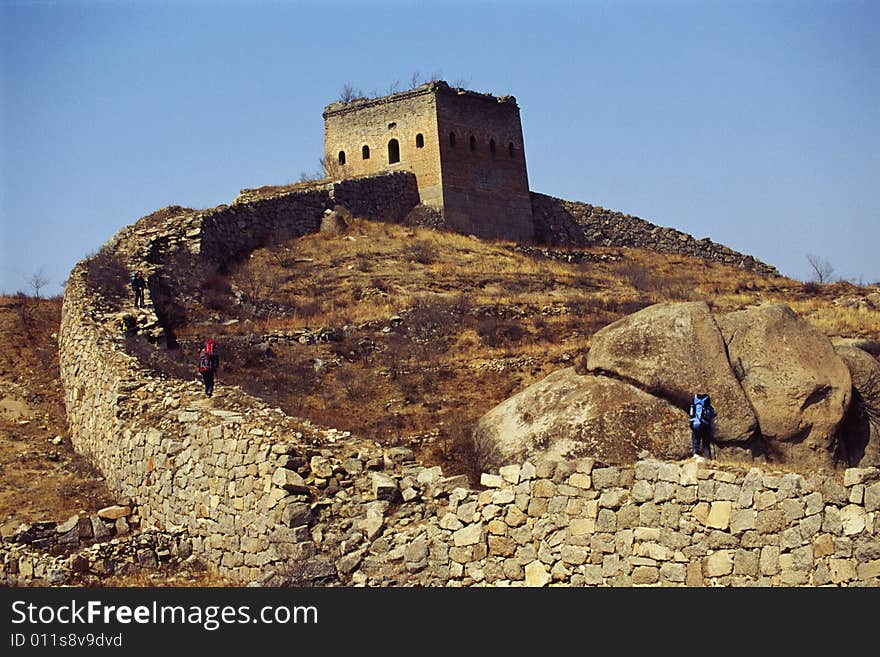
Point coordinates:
[[269, 499]]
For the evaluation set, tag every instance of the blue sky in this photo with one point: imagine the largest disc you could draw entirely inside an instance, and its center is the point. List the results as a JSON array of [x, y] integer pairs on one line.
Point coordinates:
[[756, 124]]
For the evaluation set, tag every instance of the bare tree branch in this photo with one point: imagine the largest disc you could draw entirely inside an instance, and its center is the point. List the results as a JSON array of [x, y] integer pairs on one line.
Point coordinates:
[[37, 282], [822, 269]]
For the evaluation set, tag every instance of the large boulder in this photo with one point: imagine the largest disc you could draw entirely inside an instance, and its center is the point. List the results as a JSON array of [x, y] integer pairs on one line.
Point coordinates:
[[860, 432], [865, 344], [797, 384], [335, 221], [568, 415], [675, 350]]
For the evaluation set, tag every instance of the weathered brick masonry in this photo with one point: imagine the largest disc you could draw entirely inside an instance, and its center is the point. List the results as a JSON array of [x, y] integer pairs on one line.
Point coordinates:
[[464, 147], [266, 498]]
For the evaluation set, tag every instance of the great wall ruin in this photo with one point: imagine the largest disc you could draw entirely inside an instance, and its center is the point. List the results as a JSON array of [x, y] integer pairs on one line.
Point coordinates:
[[267, 499]]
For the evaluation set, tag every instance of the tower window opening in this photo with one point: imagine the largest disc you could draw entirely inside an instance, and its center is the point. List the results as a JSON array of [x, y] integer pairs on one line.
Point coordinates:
[[393, 151], [473, 143], [365, 152], [420, 141], [342, 157], [492, 146], [510, 149], [452, 139]]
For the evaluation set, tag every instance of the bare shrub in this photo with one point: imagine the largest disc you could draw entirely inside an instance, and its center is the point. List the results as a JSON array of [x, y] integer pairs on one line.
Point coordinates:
[[638, 276], [423, 252], [431, 322], [456, 447], [679, 291], [349, 93], [870, 398], [630, 306], [173, 361], [258, 287], [496, 332], [25, 308], [414, 386], [357, 388], [425, 336], [216, 292], [282, 256], [331, 168], [308, 308], [363, 263], [107, 275], [584, 307]]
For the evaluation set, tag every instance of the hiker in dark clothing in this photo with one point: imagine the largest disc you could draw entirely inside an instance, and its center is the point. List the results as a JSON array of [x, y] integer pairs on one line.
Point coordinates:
[[209, 362], [701, 415], [137, 286]]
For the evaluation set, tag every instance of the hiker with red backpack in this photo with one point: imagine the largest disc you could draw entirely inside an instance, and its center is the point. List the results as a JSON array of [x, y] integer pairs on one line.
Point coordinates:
[[209, 362]]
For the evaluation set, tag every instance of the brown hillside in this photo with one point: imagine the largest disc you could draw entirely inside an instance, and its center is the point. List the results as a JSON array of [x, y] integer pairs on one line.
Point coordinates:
[[403, 335], [41, 479], [407, 335]]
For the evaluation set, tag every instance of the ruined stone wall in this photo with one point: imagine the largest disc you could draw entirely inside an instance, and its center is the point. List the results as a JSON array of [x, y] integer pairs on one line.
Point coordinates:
[[254, 220], [266, 498], [208, 470], [571, 223], [374, 517]]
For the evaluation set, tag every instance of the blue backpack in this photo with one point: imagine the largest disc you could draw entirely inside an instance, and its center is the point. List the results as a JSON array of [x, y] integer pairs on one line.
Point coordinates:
[[701, 412]]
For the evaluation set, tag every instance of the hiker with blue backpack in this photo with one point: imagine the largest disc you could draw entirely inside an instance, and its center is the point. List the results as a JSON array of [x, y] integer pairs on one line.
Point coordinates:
[[701, 415], [137, 286]]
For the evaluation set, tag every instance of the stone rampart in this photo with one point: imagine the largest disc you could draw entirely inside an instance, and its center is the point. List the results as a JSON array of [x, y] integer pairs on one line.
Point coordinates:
[[270, 499], [571, 223]]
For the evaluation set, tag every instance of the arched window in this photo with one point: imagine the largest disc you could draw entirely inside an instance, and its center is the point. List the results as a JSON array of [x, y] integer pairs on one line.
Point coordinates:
[[420, 141], [473, 143], [510, 149], [452, 139], [365, 152], [492, 146], [393, 151], [341, 157]]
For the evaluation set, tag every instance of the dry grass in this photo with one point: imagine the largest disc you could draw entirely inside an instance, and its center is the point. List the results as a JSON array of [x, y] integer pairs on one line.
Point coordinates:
[[480, 322], [38, 479], [840, 321]]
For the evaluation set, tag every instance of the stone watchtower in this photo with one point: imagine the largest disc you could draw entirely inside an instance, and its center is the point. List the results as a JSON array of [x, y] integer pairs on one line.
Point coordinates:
[[465, 149]]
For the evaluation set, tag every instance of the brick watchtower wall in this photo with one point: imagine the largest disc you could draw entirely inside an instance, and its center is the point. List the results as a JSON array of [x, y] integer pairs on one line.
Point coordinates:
[[360, 134], [485, 184], [465, 149]]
